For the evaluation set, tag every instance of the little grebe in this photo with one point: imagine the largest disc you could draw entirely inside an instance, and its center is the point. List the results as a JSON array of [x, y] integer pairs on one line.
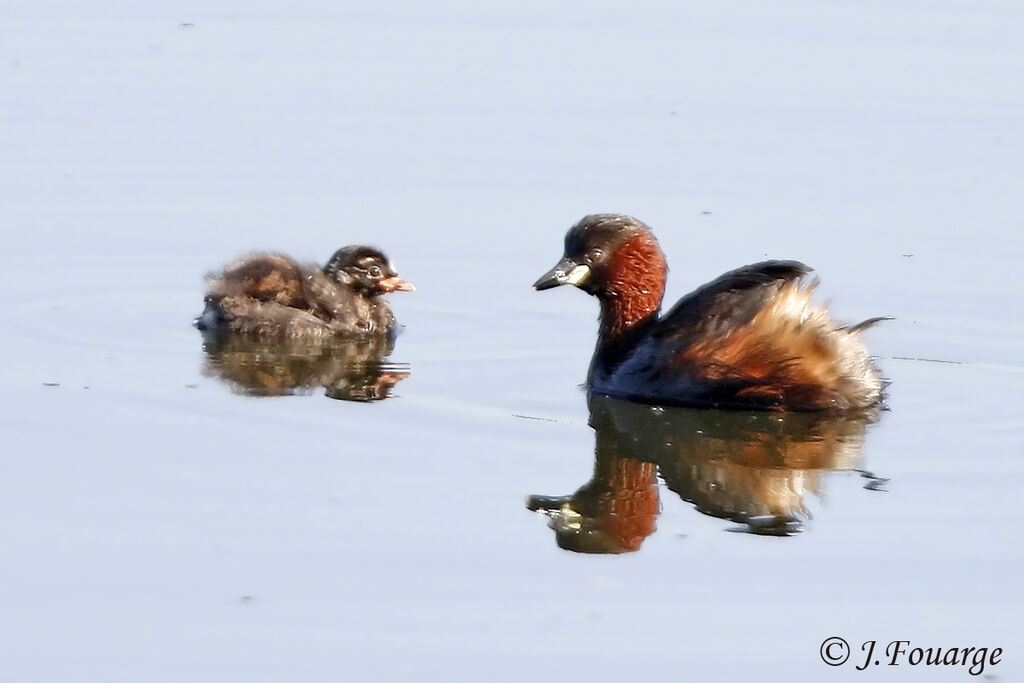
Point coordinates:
[[750, 339], [272, 295]]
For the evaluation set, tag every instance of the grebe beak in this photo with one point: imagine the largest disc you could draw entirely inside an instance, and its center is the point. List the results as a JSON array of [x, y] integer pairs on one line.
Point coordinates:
[[396, 284], [565, 272]]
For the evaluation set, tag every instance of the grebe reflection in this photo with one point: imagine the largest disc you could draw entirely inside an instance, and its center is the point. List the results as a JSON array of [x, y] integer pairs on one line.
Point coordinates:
[[353, 369], [754, 468]]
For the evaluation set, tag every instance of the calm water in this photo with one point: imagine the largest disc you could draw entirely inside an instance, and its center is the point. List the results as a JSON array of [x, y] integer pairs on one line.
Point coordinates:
[[163, 524]]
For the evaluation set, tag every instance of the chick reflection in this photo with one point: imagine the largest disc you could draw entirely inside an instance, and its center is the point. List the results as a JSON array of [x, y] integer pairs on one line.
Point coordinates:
[[749, 467], [351, 370]]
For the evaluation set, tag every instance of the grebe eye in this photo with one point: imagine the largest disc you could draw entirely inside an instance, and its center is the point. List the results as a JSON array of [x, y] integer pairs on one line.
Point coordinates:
[[375, 271], [594, 256]]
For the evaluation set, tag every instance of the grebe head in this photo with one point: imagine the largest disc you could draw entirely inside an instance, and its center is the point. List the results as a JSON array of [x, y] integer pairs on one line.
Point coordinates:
[[367, 270], [609, 254]]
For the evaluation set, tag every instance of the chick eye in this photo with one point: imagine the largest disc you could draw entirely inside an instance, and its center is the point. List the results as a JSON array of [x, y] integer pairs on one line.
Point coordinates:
[[594, 256], [375, 271]]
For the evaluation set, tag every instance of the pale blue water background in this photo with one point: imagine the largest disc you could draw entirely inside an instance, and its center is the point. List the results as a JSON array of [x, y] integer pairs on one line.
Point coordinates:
[[156, 532]]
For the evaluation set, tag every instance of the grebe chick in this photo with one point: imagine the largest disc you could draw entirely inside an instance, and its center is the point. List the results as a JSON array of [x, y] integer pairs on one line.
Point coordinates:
[[272, 295]]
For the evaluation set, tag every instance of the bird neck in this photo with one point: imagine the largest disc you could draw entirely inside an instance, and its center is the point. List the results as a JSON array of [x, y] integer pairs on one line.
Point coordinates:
[[633, 288]]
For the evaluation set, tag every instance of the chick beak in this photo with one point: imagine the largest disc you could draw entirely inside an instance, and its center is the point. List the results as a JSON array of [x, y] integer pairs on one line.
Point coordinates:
[[565, 272], [395, 284]]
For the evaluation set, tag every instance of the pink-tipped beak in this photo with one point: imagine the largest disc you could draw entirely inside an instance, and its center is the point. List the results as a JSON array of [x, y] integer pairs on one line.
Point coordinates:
[[396, 284]]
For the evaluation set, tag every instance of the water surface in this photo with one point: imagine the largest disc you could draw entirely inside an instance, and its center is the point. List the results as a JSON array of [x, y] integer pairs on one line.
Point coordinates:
[[162, 524]]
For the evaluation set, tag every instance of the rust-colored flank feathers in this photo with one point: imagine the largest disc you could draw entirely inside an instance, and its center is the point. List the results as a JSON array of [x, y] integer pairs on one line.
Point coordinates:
[[790, 354], [752, 338]]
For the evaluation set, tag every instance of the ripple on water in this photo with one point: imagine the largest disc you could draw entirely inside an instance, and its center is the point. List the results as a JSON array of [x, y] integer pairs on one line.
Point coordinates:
[[148, 321]]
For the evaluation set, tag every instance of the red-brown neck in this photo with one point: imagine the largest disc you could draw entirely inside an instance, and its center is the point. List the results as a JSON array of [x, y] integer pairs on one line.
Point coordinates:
[[633, 286]]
